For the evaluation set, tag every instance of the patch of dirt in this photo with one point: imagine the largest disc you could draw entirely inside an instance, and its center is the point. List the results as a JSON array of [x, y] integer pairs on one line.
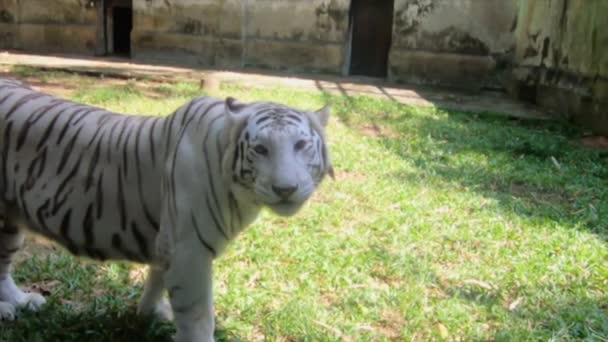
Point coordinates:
[[35, 245], [45, 287], [350, 176], [391, 324], [329, 299], [75, 306], [382, 279], [537, 194], [137, 274], [53, 88], [375, 131], [595, 142], [436, 292], [65, 89]]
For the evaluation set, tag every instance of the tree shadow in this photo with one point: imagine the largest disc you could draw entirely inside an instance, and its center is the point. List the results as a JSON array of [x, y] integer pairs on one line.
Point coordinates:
[[562, 313], [533, 168], [441, 97], [530, 168]]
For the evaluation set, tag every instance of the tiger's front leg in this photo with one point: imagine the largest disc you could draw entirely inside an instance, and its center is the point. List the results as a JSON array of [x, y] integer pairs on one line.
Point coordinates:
[[11, 296], [189, 282], [152, 302]]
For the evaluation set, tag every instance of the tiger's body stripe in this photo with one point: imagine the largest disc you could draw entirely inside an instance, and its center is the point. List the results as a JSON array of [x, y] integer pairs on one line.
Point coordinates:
[[200, 236]]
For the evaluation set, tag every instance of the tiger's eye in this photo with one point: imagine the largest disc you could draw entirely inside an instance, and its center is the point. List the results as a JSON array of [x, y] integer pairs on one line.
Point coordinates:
[[261, 149], [299, 145]]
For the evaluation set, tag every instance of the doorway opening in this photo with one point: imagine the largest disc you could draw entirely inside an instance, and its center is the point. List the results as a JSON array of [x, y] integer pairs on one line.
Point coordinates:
[[118, 15], [371, 27], [123, 23]]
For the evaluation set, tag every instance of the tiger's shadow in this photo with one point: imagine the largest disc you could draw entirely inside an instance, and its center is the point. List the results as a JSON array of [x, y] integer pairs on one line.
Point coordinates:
[[86, 300], [57, 322]]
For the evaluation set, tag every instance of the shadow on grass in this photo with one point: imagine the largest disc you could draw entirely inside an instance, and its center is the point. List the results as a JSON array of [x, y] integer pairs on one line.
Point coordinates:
[[56, 323], [585, 317], [532, 168], [86, 301]]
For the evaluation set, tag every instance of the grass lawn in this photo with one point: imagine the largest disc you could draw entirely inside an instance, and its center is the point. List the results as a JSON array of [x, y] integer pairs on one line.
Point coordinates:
[[440, 226]]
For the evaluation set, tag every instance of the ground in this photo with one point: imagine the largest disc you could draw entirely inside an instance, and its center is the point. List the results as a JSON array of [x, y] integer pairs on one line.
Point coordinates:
[[473, 102], [440, 225]]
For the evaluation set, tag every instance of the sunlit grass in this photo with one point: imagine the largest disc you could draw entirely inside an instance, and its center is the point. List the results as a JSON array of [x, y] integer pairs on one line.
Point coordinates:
[[440, 225]]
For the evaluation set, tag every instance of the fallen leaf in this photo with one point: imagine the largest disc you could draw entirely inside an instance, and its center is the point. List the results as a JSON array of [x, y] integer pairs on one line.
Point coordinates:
[[44, 287], [479, 283], [442, 330], [334, 330], [515, 304]]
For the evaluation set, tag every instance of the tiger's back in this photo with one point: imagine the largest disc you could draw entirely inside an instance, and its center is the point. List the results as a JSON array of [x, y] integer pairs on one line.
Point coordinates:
[[83, 176]]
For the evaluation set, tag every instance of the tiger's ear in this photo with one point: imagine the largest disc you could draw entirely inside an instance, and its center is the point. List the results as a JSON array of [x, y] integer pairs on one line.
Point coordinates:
[[235, 123], [323, 115], [233, 106], [236, 113]]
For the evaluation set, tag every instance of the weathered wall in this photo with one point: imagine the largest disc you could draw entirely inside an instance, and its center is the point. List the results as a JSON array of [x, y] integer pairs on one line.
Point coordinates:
[[297, 34], [9, 30], [463, 43], [180, 31], [280, 34], [550, 52], [562, 58], [66, 26]]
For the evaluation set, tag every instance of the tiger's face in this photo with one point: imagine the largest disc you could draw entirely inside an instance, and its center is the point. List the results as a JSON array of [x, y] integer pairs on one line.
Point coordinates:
[[280, 156]]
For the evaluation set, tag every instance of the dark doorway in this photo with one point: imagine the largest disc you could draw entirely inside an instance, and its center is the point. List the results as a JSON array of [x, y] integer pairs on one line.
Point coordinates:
[[122, 23], [371, 31]]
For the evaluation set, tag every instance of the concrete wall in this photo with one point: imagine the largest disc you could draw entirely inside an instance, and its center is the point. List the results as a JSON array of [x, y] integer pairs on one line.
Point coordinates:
[[462, 43], [306, 35], [550, 52], [562, 58], [179, 31], [34, 25]]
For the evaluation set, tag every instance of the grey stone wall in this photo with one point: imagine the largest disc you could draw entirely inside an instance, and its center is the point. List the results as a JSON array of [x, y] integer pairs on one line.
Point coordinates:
[[462, 43], [34, 25], [9, 29], [188, 31], [562, 58], [306, 35], [550, 52]]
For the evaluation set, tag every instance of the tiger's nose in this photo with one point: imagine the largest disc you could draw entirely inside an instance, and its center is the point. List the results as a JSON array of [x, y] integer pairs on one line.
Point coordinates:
[[284, 191]]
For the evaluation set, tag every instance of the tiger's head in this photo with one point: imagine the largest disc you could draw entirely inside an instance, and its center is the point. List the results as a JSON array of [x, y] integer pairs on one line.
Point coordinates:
[[276, 154]]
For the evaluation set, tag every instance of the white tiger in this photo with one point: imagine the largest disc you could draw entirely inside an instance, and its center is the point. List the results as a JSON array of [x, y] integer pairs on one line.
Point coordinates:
[[169, 191]]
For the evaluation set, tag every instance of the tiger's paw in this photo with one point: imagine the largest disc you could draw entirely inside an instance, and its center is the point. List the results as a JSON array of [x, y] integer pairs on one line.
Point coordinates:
[[161, 310], [31, 301], [11, 294], [7, 311]]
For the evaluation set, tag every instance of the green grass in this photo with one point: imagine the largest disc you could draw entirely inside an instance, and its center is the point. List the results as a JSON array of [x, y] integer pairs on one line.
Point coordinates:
[[440, 225]]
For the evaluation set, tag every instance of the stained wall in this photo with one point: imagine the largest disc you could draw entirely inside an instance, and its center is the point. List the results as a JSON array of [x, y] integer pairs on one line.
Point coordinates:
[[460, 43], [34, 25], [553, 53], [561, 60], [305, 35]]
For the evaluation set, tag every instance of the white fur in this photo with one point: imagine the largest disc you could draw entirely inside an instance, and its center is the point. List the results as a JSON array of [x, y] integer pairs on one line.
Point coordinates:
[[202, 195]]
